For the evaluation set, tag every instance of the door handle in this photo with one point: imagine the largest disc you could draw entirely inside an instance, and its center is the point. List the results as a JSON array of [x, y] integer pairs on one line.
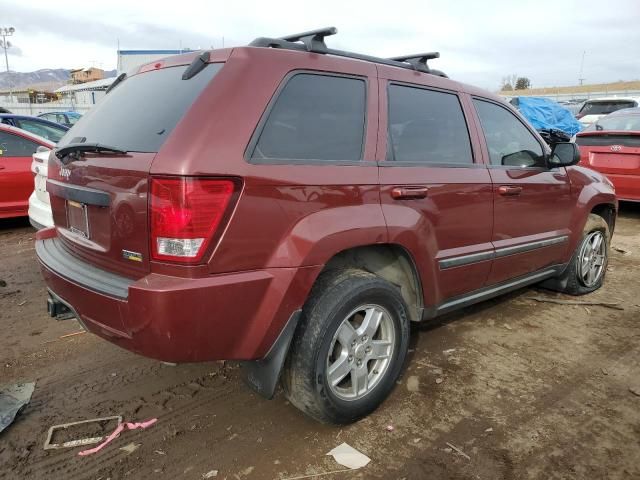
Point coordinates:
[[509, 190], [407, 193], [1, 167]]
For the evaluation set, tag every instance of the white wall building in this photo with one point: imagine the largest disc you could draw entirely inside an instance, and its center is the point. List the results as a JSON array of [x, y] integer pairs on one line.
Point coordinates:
[[87, 93], [130, 59]]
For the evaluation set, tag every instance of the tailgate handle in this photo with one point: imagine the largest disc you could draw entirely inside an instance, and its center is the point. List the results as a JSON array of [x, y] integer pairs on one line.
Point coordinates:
[[86, 195], [509, 190], [411, 192]]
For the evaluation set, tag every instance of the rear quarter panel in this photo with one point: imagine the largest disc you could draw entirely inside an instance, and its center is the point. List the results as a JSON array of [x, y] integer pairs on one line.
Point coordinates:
[[289, 214]]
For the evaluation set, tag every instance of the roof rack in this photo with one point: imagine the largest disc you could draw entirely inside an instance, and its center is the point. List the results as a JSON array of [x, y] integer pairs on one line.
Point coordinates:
[[313, 41]]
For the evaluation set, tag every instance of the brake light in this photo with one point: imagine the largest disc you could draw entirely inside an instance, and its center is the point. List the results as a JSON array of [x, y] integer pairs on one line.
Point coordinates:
[[185, 214]]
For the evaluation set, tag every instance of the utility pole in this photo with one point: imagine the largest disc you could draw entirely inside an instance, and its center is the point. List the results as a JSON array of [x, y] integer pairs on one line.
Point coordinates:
[[7, 32], [581, 79]]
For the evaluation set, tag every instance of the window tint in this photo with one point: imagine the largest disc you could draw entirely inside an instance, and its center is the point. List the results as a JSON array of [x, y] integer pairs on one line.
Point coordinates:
[[316, 117], [508, 140], [140, 113], [427, 126], [43, 130], [16, 146]]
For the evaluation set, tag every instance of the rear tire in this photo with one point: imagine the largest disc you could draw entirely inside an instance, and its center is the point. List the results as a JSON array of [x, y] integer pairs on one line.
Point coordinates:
[[349, 348], [588, 266]]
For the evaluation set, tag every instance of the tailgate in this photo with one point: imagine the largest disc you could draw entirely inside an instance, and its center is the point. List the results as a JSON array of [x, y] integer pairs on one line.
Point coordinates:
[[625, 163], [99, 199], [611, 153], [99, 207]]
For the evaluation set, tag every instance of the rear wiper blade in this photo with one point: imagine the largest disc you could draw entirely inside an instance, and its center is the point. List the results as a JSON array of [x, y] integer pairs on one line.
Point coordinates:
[[87, 147]]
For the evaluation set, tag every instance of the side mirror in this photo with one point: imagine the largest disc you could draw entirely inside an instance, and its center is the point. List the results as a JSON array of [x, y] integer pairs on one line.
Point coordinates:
[[563, 154]]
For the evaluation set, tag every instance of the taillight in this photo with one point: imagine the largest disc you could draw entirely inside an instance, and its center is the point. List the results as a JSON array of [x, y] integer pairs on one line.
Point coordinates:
[[185, 213]]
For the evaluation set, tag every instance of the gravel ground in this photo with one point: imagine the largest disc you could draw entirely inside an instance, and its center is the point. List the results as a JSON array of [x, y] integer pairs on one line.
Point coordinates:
[[525, 390]]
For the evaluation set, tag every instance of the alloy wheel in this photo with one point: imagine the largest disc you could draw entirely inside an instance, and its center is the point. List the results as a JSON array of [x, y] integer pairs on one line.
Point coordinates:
[[360, 352], [592, 259]]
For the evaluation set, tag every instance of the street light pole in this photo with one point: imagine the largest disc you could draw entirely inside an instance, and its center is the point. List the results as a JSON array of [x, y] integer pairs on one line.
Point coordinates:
[[7, 32]]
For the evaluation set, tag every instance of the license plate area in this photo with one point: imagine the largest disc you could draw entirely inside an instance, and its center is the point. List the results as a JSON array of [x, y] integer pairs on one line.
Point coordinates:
[[77, 218]]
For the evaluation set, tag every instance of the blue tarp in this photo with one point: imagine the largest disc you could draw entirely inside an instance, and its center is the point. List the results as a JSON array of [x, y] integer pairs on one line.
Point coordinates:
[[545, 114]]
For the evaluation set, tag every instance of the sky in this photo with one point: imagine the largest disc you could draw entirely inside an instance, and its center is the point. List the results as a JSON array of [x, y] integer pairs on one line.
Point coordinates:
[[480, 42]]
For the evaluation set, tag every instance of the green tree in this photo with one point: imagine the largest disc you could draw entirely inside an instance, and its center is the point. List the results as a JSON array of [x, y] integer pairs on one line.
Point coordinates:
[[522, 83]]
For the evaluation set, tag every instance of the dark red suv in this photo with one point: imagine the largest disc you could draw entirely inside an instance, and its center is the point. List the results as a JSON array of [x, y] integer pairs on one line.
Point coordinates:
[[295, 207]]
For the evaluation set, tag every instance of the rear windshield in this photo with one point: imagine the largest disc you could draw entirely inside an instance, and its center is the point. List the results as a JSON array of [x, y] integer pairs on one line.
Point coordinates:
[[603, 108], [139, 114]]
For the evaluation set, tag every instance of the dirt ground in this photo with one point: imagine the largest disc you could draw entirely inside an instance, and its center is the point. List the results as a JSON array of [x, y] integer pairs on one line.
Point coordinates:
[[526, 390]]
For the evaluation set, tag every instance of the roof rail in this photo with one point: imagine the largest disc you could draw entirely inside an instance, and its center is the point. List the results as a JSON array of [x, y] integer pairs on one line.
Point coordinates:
[[313, 41]]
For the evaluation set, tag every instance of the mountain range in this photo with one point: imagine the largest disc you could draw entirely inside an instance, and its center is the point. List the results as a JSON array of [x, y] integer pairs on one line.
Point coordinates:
[[44, 79]]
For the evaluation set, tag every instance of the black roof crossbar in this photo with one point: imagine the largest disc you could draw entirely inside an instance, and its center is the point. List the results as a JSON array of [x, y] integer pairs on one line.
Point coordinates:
[[313, 41], [418, 61]]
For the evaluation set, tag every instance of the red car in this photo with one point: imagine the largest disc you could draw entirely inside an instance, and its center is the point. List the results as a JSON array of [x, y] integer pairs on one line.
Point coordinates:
[[295, 207], [612, 146], [16, 178]]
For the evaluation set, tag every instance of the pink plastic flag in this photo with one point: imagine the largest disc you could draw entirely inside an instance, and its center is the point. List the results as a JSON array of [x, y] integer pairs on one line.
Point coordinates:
[[116, 432]]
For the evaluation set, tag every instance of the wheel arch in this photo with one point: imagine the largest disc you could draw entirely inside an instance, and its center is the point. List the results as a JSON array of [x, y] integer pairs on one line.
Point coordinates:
[[393, 263], [608, 212]]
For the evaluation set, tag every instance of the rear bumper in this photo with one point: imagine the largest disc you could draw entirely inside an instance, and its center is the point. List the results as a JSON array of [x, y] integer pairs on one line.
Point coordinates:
[[627, 186], [235, 316]]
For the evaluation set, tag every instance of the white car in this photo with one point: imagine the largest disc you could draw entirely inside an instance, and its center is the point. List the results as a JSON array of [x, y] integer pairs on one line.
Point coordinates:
[[39, 206], [594, 109]]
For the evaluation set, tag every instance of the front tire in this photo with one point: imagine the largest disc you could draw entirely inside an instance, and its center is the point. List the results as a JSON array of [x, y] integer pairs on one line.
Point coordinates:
[[588, 265], [349, 348]]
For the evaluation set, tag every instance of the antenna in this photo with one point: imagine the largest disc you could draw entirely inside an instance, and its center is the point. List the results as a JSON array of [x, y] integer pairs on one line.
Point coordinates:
[[581, 78]]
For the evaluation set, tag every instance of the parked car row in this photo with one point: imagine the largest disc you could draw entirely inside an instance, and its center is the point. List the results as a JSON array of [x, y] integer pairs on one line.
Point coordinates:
[[25, 143]]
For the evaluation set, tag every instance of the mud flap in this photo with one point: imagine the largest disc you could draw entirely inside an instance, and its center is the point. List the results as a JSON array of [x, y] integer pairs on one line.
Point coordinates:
[[263, 375]]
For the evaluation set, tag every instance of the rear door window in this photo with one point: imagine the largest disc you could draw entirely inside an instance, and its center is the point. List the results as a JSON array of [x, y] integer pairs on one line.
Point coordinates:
[[12, 145], [510, 143], [427, 126], [315, 117], [139, 114]]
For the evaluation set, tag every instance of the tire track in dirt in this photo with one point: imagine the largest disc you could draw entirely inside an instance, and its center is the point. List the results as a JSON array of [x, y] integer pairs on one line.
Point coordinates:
[[58, 461]]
